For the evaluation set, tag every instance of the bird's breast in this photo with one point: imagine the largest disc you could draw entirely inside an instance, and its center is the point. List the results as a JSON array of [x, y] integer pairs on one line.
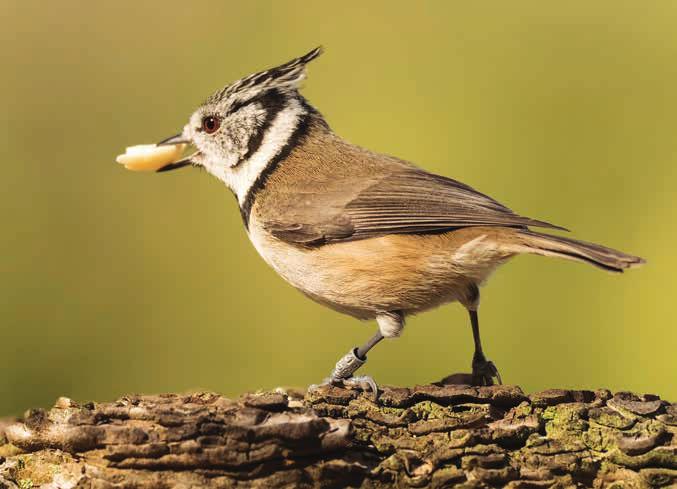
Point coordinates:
[[394, 272]]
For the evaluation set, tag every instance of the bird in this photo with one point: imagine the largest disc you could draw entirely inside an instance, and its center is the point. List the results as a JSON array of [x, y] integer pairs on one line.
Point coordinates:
[[363, 233]]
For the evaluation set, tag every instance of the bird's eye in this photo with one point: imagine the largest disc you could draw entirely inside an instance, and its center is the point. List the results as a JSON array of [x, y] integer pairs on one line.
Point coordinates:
[[211, 124]]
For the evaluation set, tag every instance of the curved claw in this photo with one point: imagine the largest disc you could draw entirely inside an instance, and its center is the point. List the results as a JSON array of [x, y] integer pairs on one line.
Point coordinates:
[[365, 383], [498, 375], [484, 372], [346, 366], [313, 387]]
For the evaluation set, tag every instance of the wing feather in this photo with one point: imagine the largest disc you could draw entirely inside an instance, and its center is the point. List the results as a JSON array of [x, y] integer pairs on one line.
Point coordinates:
[[404, 201]]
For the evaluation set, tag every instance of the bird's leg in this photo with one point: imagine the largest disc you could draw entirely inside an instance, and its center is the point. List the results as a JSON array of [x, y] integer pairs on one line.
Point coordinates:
[[350, 362], [483, 371], [390, 325]]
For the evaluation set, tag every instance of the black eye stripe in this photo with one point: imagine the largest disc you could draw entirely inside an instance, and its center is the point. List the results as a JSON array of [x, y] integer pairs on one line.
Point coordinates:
[[273, 103], [237, 106], [266, 98]]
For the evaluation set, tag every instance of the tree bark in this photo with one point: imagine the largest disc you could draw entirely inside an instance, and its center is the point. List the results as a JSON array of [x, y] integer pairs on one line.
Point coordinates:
[[426, 436]]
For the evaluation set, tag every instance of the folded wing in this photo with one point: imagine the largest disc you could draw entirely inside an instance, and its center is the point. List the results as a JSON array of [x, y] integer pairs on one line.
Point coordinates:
[[404, 201]]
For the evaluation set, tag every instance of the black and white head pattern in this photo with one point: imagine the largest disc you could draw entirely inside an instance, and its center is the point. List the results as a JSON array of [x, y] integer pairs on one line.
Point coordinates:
[[241, 129]]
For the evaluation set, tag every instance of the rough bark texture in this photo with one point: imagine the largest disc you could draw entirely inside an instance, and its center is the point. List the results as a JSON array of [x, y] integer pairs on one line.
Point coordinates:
[[425, 436]]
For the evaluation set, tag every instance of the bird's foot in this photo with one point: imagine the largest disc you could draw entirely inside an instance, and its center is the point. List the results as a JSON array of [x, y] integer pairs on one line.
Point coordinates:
[[342, 375], [484, 372], [362, 382]]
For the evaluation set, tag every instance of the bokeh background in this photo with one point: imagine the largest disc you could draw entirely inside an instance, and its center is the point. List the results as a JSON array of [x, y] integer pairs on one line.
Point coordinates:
[[115, 282]]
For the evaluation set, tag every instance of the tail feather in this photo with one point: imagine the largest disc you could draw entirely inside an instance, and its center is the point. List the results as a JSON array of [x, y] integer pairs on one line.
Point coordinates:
[[573, 249]]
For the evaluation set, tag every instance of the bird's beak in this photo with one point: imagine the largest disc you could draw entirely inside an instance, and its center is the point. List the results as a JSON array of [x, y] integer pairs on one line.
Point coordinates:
[[174, 166], [177, 139], [164, 156]]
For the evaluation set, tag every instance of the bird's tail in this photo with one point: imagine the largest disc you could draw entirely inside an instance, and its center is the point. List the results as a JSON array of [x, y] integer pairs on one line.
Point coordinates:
[[573, 249]]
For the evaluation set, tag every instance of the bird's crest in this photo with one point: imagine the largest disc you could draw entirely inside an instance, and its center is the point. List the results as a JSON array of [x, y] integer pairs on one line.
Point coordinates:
[[285, 77]]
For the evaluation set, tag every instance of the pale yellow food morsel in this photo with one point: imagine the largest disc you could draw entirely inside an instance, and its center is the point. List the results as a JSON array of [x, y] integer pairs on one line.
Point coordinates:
[[150, 157]]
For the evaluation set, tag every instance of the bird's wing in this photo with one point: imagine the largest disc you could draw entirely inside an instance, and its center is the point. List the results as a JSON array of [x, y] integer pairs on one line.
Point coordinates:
[[408, 200]]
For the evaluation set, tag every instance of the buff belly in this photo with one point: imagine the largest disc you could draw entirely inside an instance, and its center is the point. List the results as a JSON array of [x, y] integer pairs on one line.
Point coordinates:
[[409, 273]]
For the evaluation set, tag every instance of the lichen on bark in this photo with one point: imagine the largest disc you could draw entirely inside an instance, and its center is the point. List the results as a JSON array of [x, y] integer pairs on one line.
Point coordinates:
[[425, 436]]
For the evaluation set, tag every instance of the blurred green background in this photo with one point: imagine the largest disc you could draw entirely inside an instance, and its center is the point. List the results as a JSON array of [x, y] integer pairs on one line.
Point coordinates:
[[115, 282]]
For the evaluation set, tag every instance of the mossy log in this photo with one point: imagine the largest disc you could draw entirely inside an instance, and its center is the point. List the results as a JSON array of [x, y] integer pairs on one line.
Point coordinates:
[[426, 436]]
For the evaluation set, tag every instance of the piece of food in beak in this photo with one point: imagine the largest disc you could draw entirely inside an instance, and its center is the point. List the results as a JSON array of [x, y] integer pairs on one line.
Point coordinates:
[[150, 157]]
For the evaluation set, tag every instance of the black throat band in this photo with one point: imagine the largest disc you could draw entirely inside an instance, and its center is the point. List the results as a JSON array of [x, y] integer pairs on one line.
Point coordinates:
[[300, 132]]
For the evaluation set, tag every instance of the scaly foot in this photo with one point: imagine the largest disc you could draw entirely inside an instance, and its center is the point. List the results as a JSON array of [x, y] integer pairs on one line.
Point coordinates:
[[362, 382], [484, 372], [342, 375]]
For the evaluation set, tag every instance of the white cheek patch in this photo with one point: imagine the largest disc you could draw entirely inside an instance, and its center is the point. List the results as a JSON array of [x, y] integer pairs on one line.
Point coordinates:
[[242, 177]]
